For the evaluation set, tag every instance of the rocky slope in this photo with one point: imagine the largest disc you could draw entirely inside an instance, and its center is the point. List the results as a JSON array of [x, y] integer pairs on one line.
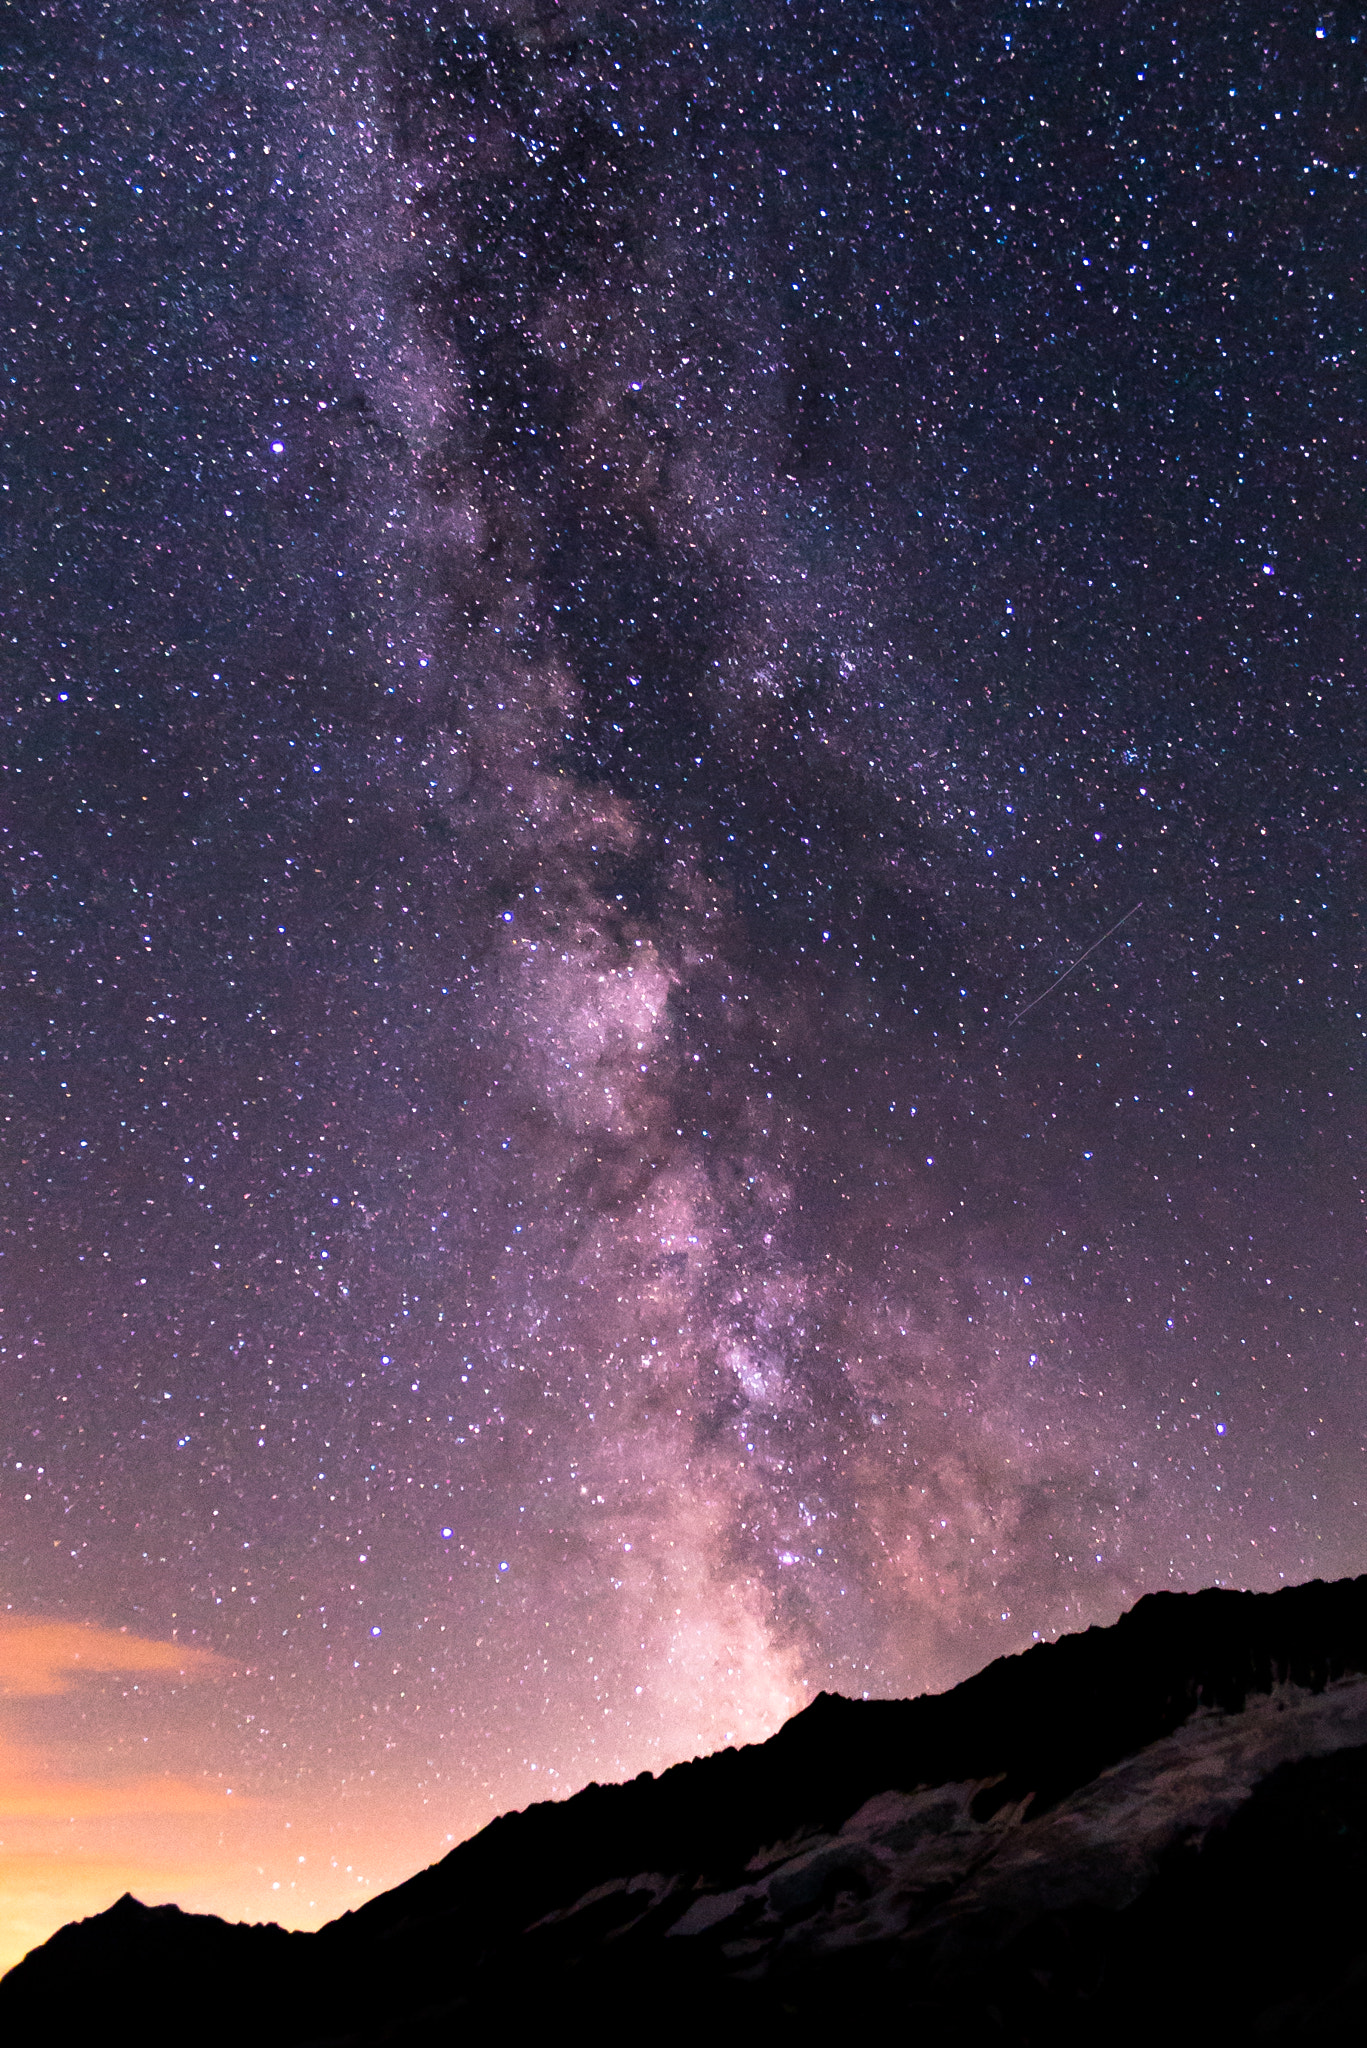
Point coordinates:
[[1154, 1829]]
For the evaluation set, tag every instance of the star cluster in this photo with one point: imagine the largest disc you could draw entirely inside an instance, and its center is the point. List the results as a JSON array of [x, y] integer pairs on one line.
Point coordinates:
[[599, 599]]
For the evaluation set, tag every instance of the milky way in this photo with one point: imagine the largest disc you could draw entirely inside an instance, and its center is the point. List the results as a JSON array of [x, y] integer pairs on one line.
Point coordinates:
[[597, 600]]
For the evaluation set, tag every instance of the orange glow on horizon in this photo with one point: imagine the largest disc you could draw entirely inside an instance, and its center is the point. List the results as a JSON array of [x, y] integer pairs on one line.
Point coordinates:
[[112, 1780]]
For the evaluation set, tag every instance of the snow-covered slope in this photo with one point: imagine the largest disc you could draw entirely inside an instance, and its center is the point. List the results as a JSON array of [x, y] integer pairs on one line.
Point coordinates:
[[919, 1870]]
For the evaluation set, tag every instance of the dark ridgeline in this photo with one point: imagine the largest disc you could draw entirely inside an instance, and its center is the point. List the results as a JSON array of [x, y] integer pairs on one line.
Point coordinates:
[[1259, 1928]]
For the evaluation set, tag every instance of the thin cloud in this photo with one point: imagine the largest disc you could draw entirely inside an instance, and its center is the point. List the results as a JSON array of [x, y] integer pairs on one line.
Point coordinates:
[[32, 1787], [40, 1658]]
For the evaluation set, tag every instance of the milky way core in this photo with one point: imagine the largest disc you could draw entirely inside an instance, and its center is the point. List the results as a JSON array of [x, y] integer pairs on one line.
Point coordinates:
[[597, 600]]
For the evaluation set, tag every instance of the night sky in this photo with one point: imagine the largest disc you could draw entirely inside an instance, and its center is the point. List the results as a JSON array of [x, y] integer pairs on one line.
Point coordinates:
[[595, 600]]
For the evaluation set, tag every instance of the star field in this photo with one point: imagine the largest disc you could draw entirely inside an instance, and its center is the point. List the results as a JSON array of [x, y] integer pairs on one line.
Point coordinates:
[[597, 601]]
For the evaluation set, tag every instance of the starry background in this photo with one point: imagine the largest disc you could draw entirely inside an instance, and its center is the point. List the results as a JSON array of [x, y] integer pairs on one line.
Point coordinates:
[[595, 600]]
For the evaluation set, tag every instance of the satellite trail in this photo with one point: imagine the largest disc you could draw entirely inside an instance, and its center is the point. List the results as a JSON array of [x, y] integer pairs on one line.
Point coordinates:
[[1077, 963]]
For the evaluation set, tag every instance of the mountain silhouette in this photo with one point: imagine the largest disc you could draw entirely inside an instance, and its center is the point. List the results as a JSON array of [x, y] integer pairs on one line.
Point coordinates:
[[1151, 1831]]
